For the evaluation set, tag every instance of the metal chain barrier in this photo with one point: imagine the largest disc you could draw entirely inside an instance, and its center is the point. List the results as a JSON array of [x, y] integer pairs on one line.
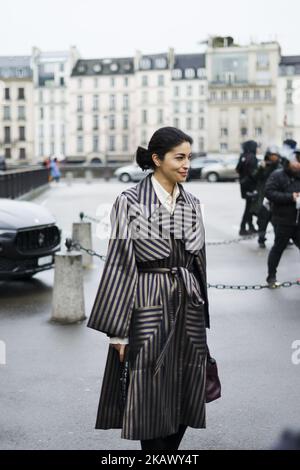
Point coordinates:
[[71, 244], [251, 236]]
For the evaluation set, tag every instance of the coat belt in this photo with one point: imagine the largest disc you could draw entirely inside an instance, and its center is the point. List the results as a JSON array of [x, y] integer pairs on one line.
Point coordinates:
[[192, 293]]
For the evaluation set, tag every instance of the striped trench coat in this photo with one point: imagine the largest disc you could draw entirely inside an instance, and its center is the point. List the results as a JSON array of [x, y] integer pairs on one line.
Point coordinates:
[[165, 315]]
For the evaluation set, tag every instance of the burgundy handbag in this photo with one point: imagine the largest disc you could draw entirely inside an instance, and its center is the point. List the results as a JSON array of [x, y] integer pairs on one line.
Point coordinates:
[[213, 384]]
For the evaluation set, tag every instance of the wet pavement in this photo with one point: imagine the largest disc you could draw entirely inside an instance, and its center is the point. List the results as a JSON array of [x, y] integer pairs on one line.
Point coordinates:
[[51, 382]]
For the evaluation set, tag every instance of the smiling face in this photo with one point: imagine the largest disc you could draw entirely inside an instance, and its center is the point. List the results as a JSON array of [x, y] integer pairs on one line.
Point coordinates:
[[175, 165]]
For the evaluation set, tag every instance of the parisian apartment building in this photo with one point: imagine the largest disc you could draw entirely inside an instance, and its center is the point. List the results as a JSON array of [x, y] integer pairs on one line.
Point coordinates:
[[100, 110]]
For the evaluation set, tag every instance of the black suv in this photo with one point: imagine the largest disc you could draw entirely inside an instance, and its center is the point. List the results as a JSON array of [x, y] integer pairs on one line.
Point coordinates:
[[29, 237]]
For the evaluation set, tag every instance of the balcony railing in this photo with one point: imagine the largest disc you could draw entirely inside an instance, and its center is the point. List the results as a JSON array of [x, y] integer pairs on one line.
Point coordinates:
[[15, 183]]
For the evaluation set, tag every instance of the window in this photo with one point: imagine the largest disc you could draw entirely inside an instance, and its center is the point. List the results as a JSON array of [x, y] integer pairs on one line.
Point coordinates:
[[160, 80], [52, 112], [189, 73], [112, 82], [52, 147], [125, 102], [41, 149], [235, 95], [144, 116], [201, 73], [144, 80], [79, 123], [160, 116], [41, 131], [201, 90], [145, 64], [258, 132], [213, 95], [52, 131], [6, 112], [268, 95], [79, 83], [144, 97], [7, 134], [177, 73], [95, 143], [125, 143], [112, 102], [176, 123], [176, 107], [79, 144], [21, 133], [262, 60], [95, 103], [160, 97], [144, 138], [62, 130], [189, 123], [21, 112], [189, 90], [224, 132], [245, 95], [62, 81], [257, 94], [176, 91], [22, 154], [243, 114], [95, 122], [111, 122], [244, 131], [125, 121], [63, 148], [62, 67], [161, 63], [201, 122], [7, 153], [96, 82], [201, 144], [41, 113], [189, 106], [289, 97], [21, 94], [223, 147], [126, 81], [7, 94], [80, 103], [289, 84], [112, 142], [224, 95]]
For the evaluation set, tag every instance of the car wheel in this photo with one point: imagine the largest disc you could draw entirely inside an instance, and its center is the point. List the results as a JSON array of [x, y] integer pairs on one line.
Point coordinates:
[[212, 177], [125, 178]]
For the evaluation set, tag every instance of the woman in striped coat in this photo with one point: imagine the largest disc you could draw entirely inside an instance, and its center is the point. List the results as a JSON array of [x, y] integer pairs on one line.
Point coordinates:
[[152, 302]]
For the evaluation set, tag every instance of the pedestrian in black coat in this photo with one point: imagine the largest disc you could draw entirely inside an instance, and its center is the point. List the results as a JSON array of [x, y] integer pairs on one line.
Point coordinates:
[[246, 169], [283, 191]]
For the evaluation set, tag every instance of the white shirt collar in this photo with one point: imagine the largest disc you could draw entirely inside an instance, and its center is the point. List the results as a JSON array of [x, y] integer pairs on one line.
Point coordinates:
[[167, 199]]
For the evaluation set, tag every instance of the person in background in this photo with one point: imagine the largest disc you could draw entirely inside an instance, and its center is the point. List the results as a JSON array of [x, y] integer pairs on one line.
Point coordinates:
[[54, 170], [283, 191], [265, 168], [246, 168]]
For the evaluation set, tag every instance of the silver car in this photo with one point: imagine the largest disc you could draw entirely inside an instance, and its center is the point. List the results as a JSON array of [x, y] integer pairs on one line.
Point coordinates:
[[224, 170], [131, 173]]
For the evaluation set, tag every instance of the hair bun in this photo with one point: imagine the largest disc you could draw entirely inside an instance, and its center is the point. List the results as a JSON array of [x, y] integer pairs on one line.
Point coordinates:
[[143, 158]]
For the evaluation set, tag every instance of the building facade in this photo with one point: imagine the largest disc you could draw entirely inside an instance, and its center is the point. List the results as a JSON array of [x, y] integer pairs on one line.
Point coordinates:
[[16, 110], [288, 99], [51, 75], [242, 88]]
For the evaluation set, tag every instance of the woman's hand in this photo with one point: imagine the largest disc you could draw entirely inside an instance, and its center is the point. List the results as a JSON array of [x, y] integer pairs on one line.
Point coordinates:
[[121, 349]]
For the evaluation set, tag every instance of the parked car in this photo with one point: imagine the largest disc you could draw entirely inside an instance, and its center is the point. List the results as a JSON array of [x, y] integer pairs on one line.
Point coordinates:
[[224, 170], [197, 165], [131, 173], [29, 237]]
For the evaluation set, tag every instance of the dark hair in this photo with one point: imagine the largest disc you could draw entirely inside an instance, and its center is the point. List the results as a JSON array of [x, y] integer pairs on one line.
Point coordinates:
[[290, 143], [162, 141], [250, 146]]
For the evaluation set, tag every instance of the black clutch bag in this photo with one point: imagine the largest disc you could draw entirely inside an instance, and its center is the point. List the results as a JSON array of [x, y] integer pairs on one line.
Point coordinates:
[[213, 384], [124, 379]]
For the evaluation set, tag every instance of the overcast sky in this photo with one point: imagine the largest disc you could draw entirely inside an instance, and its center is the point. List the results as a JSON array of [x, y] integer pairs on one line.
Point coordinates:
[[116, 28]]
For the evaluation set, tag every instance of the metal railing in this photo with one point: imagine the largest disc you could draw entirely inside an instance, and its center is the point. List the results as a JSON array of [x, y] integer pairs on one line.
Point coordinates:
[[15, 183]]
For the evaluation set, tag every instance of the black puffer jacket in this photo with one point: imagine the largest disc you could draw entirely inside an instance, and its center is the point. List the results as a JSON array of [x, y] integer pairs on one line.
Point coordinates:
[[246, 168], [279, 190]]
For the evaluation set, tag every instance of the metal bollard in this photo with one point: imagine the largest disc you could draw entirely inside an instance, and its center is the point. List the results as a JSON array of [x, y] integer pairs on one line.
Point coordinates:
[[82, 233], [88, 176], [69, 178], [68, 294]]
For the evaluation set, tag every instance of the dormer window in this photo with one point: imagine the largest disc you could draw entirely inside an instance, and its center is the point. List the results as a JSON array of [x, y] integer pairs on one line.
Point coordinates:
[[97, 68], [177, 73], [81, 68], [145, 64], [114, 67], [189, 73], [160, 63]]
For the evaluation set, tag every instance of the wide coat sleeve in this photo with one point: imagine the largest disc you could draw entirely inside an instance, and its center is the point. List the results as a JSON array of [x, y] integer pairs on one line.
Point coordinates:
[[113, 305]]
